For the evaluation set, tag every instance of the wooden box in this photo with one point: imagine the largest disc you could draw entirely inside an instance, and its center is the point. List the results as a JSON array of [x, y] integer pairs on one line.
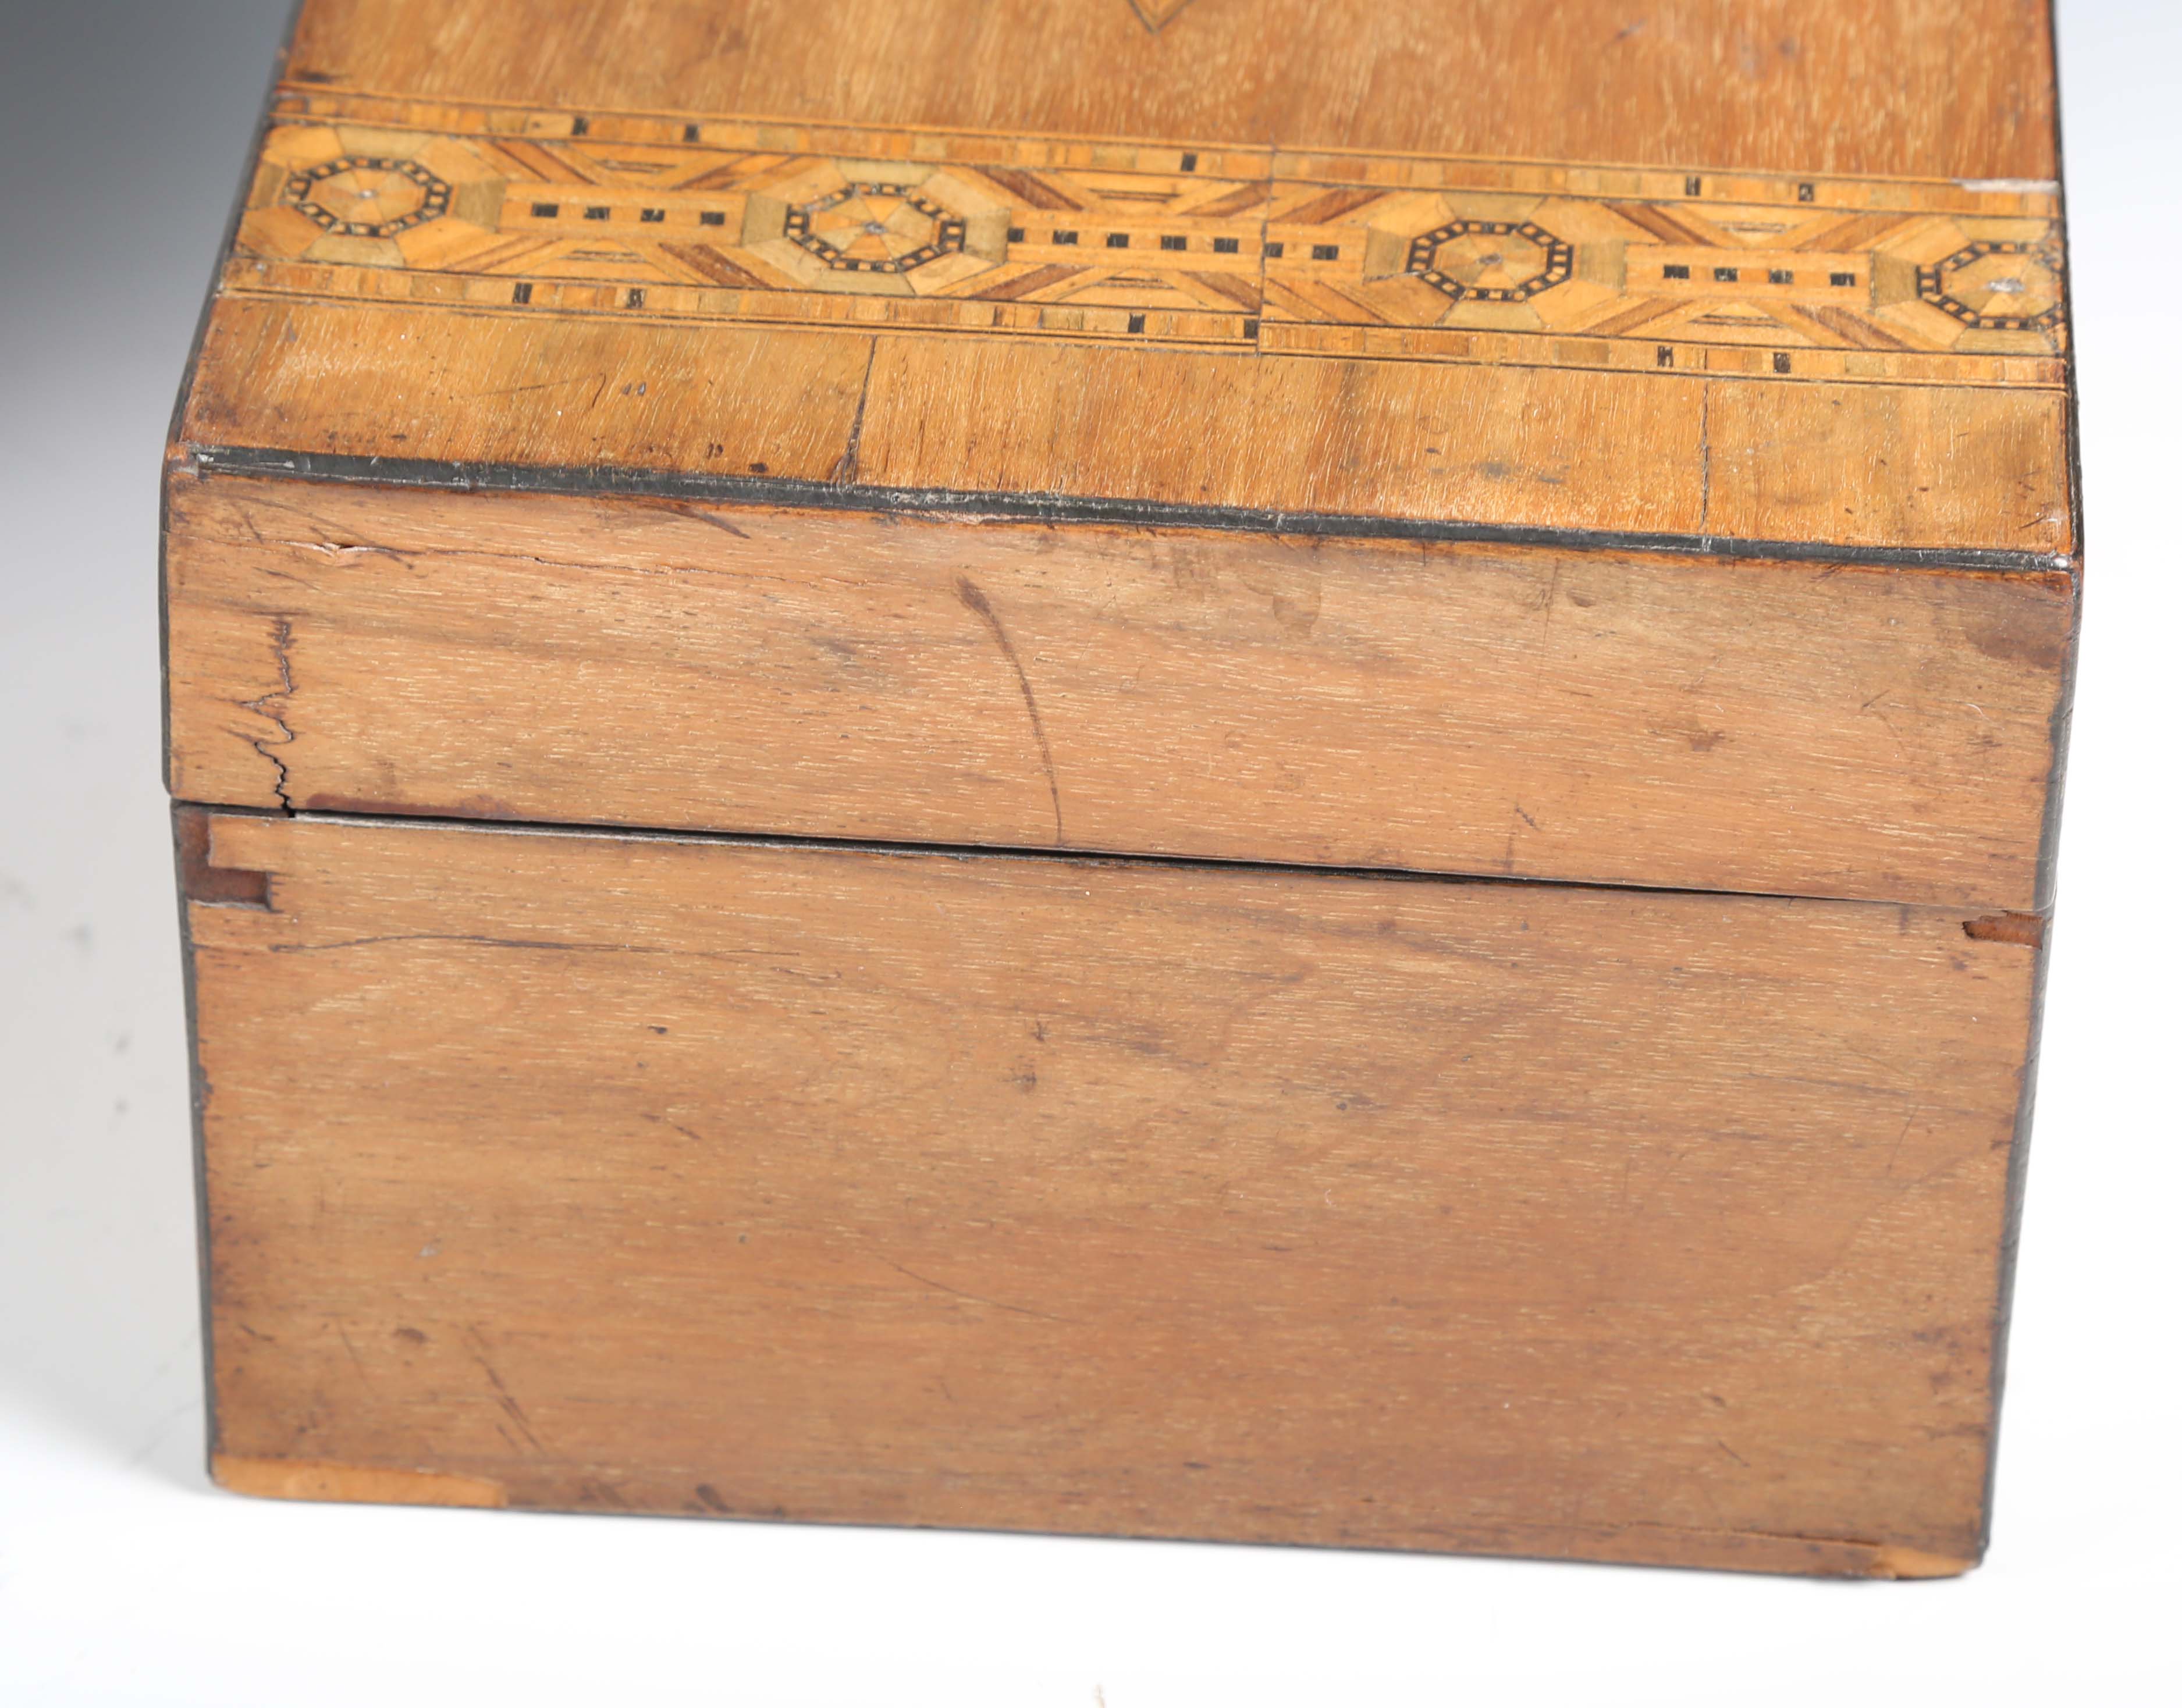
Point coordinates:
[[1264, 769]]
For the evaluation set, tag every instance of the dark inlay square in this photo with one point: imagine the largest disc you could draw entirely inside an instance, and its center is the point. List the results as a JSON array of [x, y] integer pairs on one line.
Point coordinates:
[[1189, 162], [652, 216], [1726, 275], [1843, 277], [1226, 245], [544, 210], [1117, 240], [712, 215], [1135, 323], [1014, 234], [1064, 237], [1781, 276], [1174, 243], [594, 213], [1275, 250], [1674, 270], [1325, 251]]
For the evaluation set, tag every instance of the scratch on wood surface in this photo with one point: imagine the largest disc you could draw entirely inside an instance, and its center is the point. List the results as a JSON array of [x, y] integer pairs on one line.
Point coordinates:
[[974, 1298], [341, 1329], [1859, 1556], [489, 942], [506, 1400], [974, 600], [1704, 460], [337, 548], [844, 466], [694, 514]]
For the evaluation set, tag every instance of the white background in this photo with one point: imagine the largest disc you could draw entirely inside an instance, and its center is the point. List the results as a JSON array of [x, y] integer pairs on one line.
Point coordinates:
[[125, 1579]]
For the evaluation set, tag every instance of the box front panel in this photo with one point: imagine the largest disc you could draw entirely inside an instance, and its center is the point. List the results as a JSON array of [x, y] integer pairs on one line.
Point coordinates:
[[633, 1172]]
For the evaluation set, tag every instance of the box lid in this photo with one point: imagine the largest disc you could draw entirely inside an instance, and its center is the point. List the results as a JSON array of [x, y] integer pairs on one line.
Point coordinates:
[[1532, 438], [1727, 276]]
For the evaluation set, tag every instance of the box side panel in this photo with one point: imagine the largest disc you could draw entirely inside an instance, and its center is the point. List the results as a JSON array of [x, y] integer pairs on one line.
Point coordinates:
[[623, 1173], [1791, 728]]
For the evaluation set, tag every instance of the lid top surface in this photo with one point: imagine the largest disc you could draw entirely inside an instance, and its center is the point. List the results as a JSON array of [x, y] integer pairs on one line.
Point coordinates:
[[1898, 88], [1725, 276]]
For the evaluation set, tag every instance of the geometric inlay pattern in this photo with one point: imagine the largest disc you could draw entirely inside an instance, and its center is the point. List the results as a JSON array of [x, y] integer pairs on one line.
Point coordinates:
[[1770, 277], [1997, 286], [1490, 260], [367, 197], [875, 228]]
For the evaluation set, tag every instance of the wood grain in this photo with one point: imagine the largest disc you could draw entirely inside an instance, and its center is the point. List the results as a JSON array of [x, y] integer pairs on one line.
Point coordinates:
[[1815, 729], [1918, 88], [630, 1173]]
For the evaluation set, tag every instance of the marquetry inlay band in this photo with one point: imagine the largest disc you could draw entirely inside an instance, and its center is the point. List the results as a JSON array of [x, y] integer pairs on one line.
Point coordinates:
[[1330, 254]]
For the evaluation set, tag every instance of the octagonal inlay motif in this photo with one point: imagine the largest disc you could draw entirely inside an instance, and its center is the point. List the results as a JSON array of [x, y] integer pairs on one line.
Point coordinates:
[[1490, 260], [367, 195], [1997, 286], [875, 228]]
